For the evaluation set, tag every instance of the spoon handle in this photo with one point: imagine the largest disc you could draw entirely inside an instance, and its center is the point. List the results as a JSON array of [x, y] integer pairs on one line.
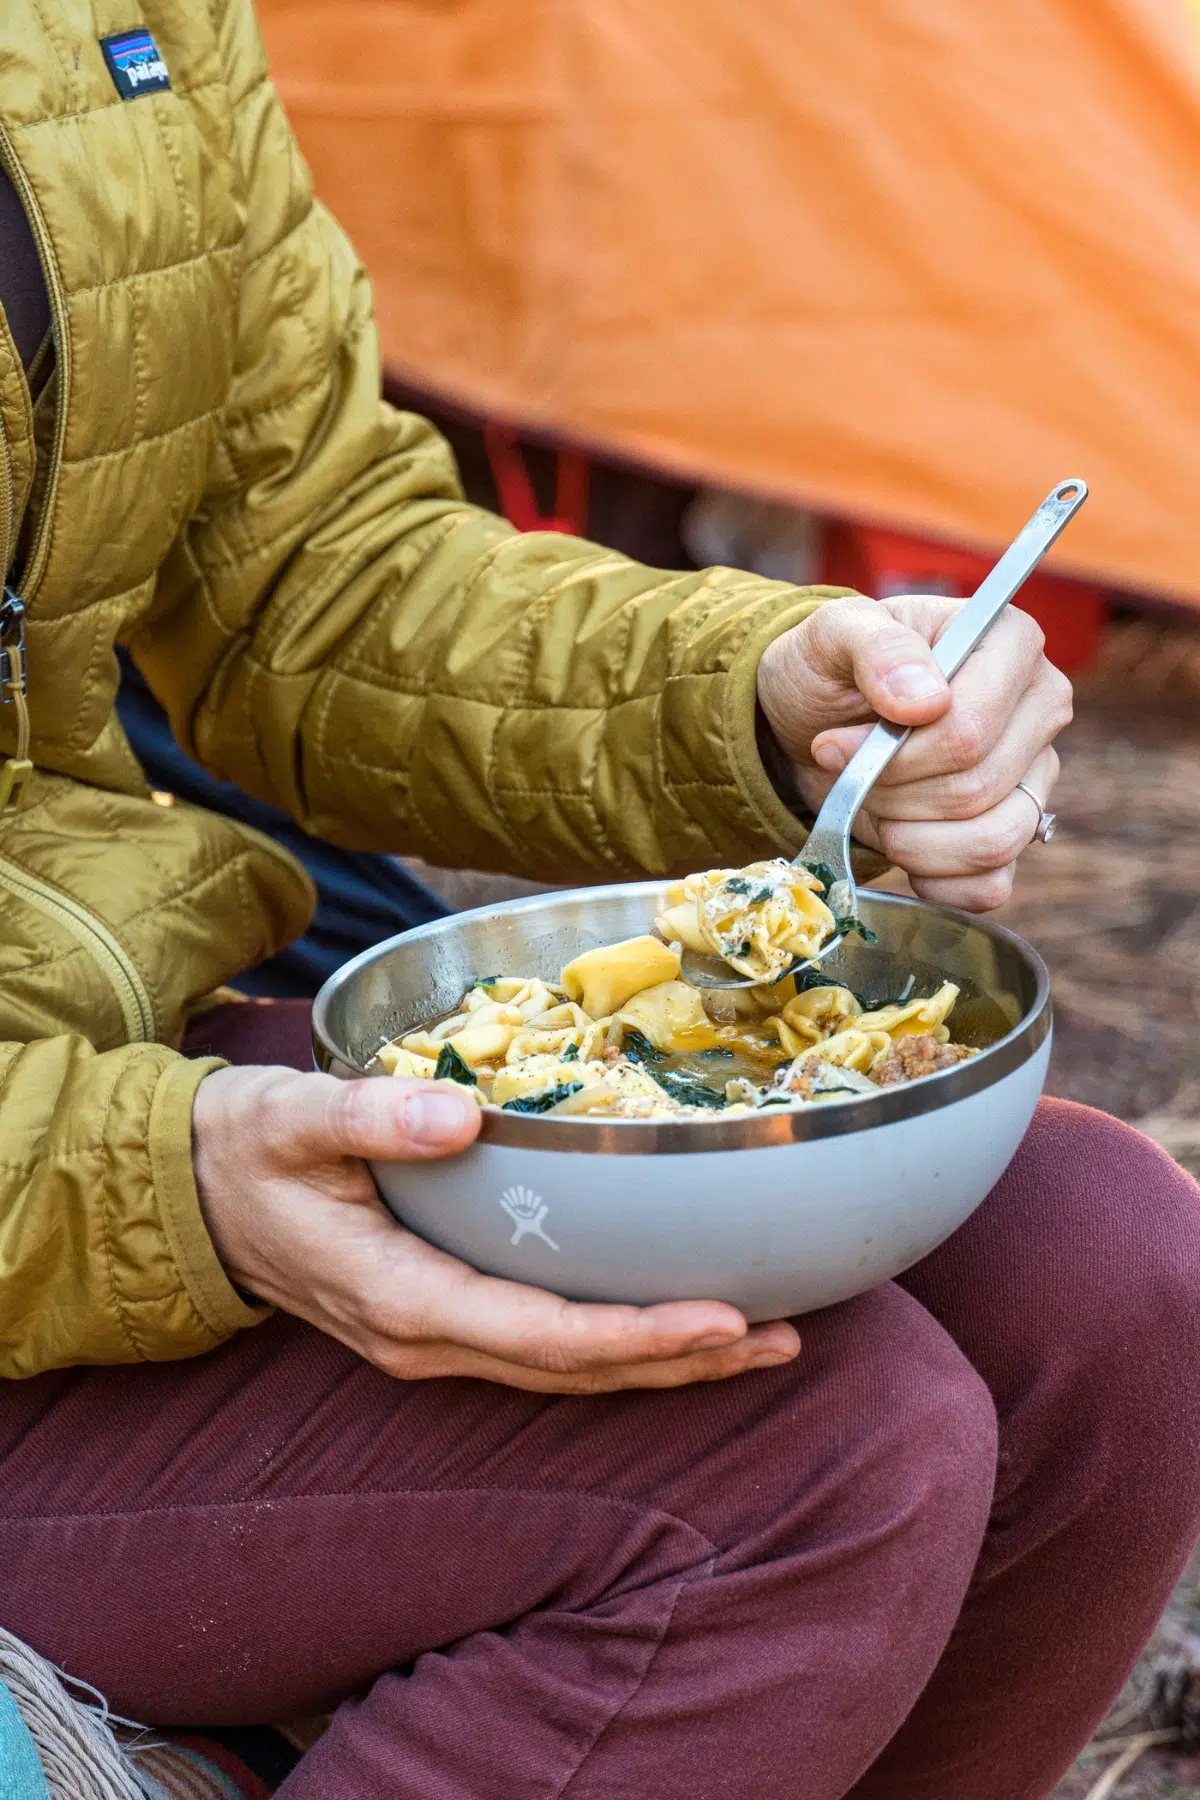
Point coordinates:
[[1007, 578], [969, 625]]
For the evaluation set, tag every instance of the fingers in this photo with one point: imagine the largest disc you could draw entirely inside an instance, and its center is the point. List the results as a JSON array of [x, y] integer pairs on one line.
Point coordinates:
[[540, 1330], [1007, 671], [969, 794], [967, 863], [766, 1346], [957, 847], [970, 893], [318, 1118], [418, 1313], [426, 1296], [1026, 700]]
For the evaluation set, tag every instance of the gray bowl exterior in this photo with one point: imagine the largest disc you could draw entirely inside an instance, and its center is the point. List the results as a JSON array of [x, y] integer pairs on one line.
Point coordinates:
[[779, 1213], [775, 1231]]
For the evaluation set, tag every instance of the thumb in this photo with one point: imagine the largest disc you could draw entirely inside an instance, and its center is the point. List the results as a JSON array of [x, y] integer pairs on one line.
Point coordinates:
[[861, 646], [847, 660], [396, 1121]]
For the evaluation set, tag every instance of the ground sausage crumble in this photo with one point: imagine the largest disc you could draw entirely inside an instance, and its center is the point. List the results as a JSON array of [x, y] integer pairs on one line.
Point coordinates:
[[911, 1057]]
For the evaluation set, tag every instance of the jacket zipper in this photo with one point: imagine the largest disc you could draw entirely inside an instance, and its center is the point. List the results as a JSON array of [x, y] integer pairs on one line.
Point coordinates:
[[8, 494], [62, 348], [137, 1009]]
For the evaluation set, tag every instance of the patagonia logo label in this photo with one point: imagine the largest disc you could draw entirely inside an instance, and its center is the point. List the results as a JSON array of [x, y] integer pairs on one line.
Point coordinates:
[[134, 63]]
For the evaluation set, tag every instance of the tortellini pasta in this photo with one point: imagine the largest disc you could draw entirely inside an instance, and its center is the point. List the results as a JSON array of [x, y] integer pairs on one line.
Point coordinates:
[[603, 980], [916, 1017], [406, 1065], [760, 919], [809, 1017], [621, 1033], [671, 1016], [540, 1074]]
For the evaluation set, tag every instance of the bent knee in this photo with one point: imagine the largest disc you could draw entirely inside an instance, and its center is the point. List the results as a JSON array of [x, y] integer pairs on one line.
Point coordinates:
[[914, 1412], [880, 1423], [1117, 1222], [1079, 1275]]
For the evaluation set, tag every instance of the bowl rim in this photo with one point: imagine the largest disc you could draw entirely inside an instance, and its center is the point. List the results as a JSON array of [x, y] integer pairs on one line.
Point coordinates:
[[753, 1131]]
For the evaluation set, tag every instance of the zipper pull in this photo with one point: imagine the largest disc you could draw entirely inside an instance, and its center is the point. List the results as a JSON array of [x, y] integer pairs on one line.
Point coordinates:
[[13, 689], [12, 648]]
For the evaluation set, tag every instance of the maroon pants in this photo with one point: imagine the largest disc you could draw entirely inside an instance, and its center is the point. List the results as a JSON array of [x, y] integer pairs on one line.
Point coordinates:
[[805, 1583]]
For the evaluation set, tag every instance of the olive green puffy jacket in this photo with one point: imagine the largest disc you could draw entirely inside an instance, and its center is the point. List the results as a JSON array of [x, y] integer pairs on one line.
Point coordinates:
[[211, 479]]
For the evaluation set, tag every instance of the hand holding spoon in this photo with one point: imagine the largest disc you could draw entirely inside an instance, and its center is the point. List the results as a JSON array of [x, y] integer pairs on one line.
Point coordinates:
[[827, 851]]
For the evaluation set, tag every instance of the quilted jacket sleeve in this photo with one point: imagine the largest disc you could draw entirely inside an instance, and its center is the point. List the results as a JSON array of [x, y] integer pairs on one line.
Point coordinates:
[[341, 634], [103, 1253]]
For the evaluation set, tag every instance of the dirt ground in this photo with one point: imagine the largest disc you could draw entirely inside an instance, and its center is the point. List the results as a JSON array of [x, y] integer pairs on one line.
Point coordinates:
[[1113, 904]]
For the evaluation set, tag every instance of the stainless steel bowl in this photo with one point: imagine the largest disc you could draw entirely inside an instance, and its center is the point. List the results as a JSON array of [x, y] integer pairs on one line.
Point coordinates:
[[780, 1212]]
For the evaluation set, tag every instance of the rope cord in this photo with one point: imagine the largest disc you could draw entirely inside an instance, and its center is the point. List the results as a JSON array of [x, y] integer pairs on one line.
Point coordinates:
[[74, 1738], [22, 706]]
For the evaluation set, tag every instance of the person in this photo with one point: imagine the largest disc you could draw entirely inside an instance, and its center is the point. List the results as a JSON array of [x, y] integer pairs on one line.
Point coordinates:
[[262, 1451]]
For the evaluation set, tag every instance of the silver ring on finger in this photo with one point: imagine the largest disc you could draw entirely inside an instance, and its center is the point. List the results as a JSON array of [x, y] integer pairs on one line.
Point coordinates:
[[1047, 822]]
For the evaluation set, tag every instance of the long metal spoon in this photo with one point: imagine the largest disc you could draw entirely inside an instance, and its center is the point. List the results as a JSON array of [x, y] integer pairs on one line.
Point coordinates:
[[827, 851]]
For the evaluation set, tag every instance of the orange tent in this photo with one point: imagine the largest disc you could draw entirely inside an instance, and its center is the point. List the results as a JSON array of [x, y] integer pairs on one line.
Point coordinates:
[[909, 261]]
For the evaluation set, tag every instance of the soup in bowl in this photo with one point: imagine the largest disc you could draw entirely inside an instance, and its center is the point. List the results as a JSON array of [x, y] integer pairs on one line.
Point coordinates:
[[779, 1199]]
